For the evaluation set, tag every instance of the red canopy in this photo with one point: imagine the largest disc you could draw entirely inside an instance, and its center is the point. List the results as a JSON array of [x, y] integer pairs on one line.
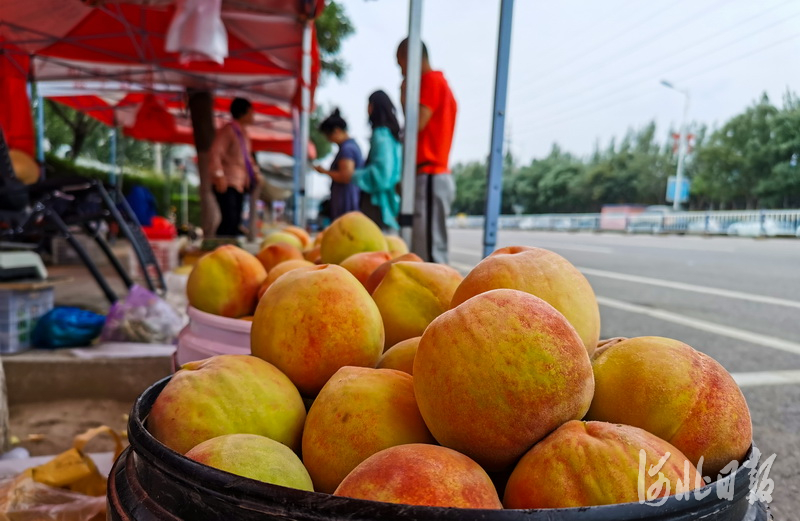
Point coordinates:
[[90, 49], [125, 42], [164, 117], [16, 122]]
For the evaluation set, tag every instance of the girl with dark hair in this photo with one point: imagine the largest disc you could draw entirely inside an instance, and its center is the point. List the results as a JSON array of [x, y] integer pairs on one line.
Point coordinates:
[[378, 179], [345, 196]]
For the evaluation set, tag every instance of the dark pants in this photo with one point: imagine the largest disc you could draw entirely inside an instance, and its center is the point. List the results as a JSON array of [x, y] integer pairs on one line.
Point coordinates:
[[372, 211], [230, 204]]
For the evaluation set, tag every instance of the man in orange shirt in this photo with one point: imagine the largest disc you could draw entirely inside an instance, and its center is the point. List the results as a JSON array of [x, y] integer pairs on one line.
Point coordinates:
[[435, 189], [233, 168]]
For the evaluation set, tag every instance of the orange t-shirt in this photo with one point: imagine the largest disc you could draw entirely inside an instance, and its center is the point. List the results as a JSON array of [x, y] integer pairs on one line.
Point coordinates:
[[433, 144]]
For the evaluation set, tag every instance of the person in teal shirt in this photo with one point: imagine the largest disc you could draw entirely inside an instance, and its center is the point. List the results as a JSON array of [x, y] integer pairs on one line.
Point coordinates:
[[381, 174]]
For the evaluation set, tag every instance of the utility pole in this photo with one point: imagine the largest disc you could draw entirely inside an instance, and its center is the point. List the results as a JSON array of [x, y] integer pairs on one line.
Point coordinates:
[[682, 145]]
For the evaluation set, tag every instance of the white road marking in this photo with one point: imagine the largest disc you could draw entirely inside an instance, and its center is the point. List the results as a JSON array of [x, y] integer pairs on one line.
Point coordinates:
[[706, 290], [548, 245], [641, 241], [758, 378], [703, 325]]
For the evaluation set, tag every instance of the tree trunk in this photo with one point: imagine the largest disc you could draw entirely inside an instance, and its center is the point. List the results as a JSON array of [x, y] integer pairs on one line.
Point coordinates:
[[201, 107], [81, 127], [78, 139]]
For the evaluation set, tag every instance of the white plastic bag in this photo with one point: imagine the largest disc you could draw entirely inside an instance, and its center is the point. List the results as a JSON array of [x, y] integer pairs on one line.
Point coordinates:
[[197, 32], [142, 317]]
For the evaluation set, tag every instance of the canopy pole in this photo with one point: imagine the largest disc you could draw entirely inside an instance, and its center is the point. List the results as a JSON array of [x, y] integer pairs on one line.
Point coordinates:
[[112, 155], [304, 130], [494, 181], [40, 133], [298, 162], [413, 75]]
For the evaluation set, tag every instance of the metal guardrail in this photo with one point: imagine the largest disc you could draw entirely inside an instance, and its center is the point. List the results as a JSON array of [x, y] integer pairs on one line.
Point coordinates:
[[749, 223]]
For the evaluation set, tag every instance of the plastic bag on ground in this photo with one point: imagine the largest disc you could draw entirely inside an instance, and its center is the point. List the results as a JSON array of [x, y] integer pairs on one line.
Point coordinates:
[[23, 499], [142, 317], [67, 488], [67, 327]]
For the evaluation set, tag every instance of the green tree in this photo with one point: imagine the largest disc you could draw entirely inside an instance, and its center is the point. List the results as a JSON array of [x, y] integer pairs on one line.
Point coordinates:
[[333, 28], [470, 179], [739, 157], [322, 145], [65, 126]]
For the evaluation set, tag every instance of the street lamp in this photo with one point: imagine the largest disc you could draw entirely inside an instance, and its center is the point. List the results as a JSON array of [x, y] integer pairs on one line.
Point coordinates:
[[682, 145]]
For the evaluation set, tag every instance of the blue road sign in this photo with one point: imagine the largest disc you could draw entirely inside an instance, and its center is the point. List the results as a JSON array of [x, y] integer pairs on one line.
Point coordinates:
[[685, 187]]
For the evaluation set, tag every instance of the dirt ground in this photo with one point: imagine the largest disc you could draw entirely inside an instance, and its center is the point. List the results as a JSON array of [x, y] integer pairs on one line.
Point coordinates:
[[49, 428]]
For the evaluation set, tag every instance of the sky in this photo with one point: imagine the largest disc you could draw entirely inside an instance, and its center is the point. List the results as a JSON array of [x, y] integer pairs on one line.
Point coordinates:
[[582, 71]]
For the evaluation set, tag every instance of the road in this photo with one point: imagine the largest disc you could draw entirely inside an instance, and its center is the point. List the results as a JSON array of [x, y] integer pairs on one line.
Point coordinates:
[[735, 299]]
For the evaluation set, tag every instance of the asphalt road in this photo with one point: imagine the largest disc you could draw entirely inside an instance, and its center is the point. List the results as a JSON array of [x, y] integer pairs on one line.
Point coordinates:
[[735, 299]]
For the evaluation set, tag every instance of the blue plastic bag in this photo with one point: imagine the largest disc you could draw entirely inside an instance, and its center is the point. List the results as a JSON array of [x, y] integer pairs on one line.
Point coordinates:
[[67, 327]]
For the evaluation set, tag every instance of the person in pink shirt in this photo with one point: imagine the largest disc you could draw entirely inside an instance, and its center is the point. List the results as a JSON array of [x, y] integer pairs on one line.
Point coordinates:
[[233, 167]]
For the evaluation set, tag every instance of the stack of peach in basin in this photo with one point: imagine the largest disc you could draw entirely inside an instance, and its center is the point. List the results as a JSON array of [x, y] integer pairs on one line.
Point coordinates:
[[428, 388]]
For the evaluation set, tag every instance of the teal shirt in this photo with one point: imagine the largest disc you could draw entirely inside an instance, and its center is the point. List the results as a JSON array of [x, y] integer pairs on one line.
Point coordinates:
[[381, 174]]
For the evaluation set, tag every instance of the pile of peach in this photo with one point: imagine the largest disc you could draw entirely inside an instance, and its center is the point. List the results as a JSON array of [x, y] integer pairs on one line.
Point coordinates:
[[430, 388]]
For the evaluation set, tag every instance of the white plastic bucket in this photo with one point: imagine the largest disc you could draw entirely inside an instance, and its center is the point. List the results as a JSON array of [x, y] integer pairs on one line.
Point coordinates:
[[210, 335]]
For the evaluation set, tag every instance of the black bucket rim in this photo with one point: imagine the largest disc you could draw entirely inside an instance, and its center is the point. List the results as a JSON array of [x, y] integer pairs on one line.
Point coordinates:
[[246, 490]]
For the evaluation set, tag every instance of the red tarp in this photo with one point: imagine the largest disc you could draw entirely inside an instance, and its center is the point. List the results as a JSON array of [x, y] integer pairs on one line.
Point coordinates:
[[15, 112]]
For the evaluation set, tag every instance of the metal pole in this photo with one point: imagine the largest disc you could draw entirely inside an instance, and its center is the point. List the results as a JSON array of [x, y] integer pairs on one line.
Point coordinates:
[[682, 145], [185, 199], [157, 159], [298, 165], [40, 134], [113, 156], [305, 109], [494, 181], [413, 75]]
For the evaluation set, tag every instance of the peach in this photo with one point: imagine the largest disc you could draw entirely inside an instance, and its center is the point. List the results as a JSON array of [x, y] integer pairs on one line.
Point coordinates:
[[677, 393], [498, 373], [359, 412], [227, 394], [254, 457], [313, 255], [377, 276], [313, 321], [400, 356], [273, 254], [361, 265], [351, 233], [397, 246], [545, 274], [583, 464], [280, 269], [419, 474], [225, 282], [305, 238], [284, 237], [318, 239], [411, 295]]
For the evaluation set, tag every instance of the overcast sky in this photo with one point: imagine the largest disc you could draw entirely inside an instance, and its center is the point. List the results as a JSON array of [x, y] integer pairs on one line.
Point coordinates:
[[581, 70]]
